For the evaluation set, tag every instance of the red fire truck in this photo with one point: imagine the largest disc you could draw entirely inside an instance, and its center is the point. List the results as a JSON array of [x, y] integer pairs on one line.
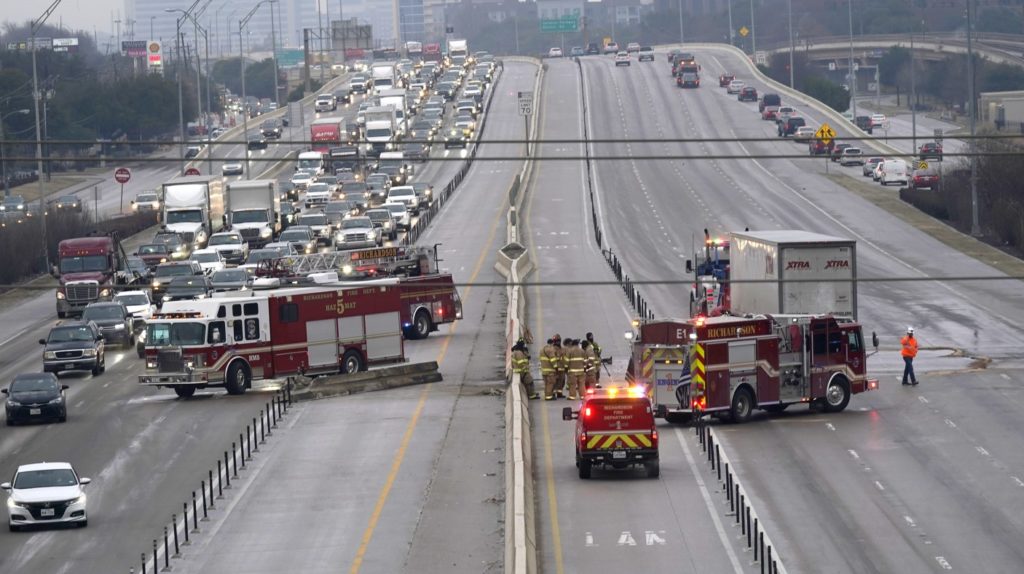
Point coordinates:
[[729, 366], [232, 341], [429, 297]]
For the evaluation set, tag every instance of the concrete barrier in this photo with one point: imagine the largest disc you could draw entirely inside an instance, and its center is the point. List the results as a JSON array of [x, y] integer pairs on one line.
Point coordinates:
[[315, 388]]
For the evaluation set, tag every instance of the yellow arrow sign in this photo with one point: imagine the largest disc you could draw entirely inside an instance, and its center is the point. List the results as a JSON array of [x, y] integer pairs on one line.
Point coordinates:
[[825, 133], [922, 165], [744, 31]]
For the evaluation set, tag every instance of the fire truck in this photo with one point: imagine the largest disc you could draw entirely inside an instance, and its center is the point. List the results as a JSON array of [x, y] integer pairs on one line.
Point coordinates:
[[234, 340], [729, 366], [429, 297]]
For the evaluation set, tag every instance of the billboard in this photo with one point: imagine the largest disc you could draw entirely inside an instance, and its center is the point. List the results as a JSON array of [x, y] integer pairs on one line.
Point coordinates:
[[134, 48], [69, 45]]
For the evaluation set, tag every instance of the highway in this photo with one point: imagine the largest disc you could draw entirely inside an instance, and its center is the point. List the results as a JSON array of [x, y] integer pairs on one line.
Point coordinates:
[[407, 480], [909, 480]]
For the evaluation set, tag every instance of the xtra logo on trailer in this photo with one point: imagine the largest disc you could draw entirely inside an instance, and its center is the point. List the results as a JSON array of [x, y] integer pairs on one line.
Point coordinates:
[[798, 265], [837, 264]]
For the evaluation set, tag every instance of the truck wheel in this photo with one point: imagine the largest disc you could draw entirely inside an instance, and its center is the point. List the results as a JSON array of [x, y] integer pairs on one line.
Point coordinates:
[[584, 468], [352, 362], [775, 408], [742, 406], [184, 391], [237, 379], [677, 418], [653, 469], [421, 325], [837, 396], [61, 314]]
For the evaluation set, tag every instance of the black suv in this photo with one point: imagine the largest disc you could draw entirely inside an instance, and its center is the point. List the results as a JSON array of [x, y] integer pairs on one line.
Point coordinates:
[[177, 248], [113, 320], [74, 346], [788, 127], [166, 271], [257, 141], [863, 122], [592, 48], [271, 129], [35, 396]]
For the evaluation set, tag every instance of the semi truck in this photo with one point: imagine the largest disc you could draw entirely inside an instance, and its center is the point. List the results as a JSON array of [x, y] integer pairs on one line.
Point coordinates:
[[88, 269], [383, 76], [325, 133], [432, 53], [194, 207], [397, 98], [414, 51], [253, 209]]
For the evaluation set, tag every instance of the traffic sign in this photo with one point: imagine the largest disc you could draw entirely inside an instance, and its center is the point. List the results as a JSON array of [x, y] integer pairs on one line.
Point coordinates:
[[192, 171], [938, 135], [922, 165], [744, 31], [825, 133], [566, 24], [525, 103], [122, 175]]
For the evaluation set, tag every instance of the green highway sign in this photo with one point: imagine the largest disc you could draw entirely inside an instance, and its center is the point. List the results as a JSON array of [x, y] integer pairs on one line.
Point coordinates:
[[287, 57], [568, 24]]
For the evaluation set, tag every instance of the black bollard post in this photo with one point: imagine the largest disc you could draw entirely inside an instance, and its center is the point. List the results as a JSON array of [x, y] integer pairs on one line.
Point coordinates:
[[273, 415], [184, 521], [263, 437], [234, 459], [248, 446], [265, 413], [174, 522], [718, 455], [749, 542], [143, 560], [167, 552], [743, 508], [255, 448], [220, 483], [757, 530], [156, 562], [736, 497], [202, 486], [761, 542], [195, 513]]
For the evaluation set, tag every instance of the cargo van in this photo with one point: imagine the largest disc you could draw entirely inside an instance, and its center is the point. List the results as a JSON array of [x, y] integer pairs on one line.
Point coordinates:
[[893, 171], [615, 428]]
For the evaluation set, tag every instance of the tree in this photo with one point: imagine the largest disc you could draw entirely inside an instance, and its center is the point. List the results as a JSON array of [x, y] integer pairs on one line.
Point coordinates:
[[894, 66], [827, 92]]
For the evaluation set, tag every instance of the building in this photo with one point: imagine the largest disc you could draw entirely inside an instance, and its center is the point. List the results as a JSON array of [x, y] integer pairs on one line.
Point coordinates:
[[411, 20]]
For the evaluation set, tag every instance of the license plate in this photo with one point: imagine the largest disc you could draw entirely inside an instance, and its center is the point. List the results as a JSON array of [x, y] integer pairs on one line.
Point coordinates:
[[619, 454], [46, 512], [35, 411]]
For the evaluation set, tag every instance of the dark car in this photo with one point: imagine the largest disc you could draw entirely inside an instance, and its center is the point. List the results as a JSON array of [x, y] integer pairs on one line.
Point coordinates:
[[192, 151], [454, 137], [788, 127], [688, 80], [139, 268], [747, 94], [184, 288], [271, 129], [258, 141], [114, 321], [74, 346], [725, 79], [769, 100], [930, 150], [68, 203], [288, 190], [424, 193], [338, 210], [154, 254], [445, 89], [166, 272], [924, 179], [302, 239], [343, 95], [176, 246], [13, 203], [230, 280], [864, 123], [818, 147], [35, 396]]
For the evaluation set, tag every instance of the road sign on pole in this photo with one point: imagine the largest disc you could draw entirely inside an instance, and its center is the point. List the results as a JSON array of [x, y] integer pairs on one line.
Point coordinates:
[[525, 103], [566, 24], [744, 31], [122, 175], [825, 133], [192, 171]]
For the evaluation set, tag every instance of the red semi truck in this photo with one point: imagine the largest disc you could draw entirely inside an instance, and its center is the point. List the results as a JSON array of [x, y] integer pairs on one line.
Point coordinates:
[[89, 268]]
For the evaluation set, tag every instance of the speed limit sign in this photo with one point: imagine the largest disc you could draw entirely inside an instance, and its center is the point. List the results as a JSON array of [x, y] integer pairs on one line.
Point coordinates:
[[122, 175]]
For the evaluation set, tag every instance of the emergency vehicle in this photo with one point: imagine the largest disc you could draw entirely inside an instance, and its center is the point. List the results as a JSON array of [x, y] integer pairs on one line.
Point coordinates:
[[729, 366], [429, 297], [711, 268], [233, 340], [615, 427]]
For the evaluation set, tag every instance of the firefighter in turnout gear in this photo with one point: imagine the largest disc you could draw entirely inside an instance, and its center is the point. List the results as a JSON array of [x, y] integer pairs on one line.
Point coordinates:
[[521, 366], [597, 351], [561, 366], [577, 369], [591, 365], [549, 360]]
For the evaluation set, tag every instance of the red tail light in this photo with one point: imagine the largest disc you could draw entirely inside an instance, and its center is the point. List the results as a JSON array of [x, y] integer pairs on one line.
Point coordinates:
[[583, 438]]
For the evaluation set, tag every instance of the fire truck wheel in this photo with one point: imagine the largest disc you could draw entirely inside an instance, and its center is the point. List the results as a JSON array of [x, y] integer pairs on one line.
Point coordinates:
[[421, 325], [653, 469], [837, 396], [742, 405], [351, 363], [237, 379], [584, 468], [184, 391]]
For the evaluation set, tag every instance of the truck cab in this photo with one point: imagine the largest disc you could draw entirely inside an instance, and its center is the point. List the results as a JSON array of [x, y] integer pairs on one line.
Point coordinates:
[[615, 428], [88, 268]]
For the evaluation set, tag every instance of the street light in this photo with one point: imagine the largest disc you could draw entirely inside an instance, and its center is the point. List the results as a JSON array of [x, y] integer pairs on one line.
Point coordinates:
[[177, 74], [241, 52], [3, 158], [975, 226], [789, 8], [36, 96], [151, 36], [199, 83], [853, 72]]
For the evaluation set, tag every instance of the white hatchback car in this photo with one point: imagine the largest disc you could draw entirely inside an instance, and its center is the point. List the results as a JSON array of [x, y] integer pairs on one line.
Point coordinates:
[[45, 493], [555, 53], [735, 87]]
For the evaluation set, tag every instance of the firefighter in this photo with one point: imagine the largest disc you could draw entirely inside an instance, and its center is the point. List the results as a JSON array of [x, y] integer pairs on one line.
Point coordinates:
[[909, 351], [577, 370], [549, 361], [561, 367], [597, 352], [521, 366], [591, 365]]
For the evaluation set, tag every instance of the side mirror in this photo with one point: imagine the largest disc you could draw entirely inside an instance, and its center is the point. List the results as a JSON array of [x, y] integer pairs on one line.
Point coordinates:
[[84, 481], [874, 339], [689, 266], [6, 486], [567, 414], [42, 341]]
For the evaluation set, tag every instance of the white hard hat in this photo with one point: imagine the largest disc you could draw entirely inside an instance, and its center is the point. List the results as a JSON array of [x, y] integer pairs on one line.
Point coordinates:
[[910, 329]]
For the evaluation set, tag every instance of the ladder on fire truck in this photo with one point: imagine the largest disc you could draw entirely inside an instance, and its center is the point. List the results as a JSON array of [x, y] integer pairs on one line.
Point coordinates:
[[348, 264]]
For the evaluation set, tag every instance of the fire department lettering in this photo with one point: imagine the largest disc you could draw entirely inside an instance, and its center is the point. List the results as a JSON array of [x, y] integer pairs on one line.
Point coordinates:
[[318, 297], [797, 265], [739, 331]]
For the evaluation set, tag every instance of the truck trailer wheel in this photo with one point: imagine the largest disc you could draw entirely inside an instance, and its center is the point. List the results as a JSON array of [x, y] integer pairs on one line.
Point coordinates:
[[237, 379], [837, 396], [184, 391], [351, 363], [584, 468], [742, 405]]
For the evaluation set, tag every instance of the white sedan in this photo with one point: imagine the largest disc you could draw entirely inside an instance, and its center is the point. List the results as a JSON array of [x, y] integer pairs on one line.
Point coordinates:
[[231, 168], [735, 87], [555, 53], [46, 493], [209, 259]]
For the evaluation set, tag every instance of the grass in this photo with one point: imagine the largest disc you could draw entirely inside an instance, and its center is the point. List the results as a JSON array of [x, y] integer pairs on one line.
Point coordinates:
[[56, 184]]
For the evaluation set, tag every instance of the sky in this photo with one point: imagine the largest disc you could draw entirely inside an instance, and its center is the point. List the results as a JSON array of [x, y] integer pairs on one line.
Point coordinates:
[[75, 14]]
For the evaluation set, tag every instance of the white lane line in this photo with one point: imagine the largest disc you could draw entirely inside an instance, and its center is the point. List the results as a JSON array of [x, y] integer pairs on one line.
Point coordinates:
[[1005, 376], [879, 486], [710, 506], [922, 399], [1018, 481], [830, 426], [950, 423], [853, 453], [982, 451], [13, 337], [943, 563], [910, 521]]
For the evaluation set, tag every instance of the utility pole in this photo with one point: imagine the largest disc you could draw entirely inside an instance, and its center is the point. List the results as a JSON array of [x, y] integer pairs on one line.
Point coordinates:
[[975, 226], [753, 34], [853, 71], [39, 140], [732, 41], [913, 94], [789, 8]]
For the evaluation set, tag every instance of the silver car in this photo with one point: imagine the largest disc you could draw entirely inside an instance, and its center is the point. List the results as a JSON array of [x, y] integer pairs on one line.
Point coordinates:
[[357, 233]]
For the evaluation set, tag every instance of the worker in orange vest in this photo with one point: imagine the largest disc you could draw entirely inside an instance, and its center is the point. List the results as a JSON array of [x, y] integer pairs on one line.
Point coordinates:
[[909, 351]]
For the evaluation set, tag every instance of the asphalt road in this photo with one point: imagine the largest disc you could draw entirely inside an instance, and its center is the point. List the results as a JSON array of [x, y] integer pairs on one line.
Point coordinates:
[[907, 479], [407, 480]]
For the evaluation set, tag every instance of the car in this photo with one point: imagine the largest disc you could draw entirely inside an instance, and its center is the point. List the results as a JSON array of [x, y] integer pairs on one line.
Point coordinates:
[[467, 106], [926, 178], [593, 48], [611, 48], [46, 493], [210, 259], [355, 191], [318, 222], [68, 203], [930, 150], [602, 412], [176, 245], [769, 112], [837, 151], [138, 305], [138, 268], [735, 87], [283, 248], [769, 99], [113, 320], [783, 113], [302, 239], [725, 79], [818, 147], [33, 397], [869, 165], [146, 201], [632, 47], [378, 184], [466, 123], [192, 151], [878, 120], [446, 90], [555, 52], [645, 54], [622, 58], [852, 156], [301, 179], [803, 134], [256, 141], [331, 181], [400, 212], [576, 51], [230, 280], [358, 84], [325, 103], [747, 94], [187, 288], [13, 203], [258, 256], [153, 254], [474, 90], [271, 129], [406, 195], [864, 123], [358, 233], [382, 218], [74, 346], [424, 193], [455, 137], [167, 271], [231, 168], [688, 80], [339, 209], [231, 245], [789, 127], [318, 194]]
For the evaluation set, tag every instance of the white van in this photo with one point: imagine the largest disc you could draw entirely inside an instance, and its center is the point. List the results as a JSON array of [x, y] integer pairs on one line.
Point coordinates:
[[893, 171]]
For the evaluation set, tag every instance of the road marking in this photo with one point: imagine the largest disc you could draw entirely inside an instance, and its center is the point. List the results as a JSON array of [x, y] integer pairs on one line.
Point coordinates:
[[879, 485], [13, 337], [943, 563], [1018, 481], [1005, 376], [950, 423], [853, 453], [626, 539], [722, 536], [653, 537], [589, 537], [830, 426], [910, 522], [982, 451], [922, 399]]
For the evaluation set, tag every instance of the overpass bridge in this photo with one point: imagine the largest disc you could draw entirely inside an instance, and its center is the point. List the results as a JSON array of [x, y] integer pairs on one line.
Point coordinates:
[[998, 48]]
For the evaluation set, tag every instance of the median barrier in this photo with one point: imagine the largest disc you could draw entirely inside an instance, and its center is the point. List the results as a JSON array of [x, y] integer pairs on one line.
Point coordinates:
[[315, 388]]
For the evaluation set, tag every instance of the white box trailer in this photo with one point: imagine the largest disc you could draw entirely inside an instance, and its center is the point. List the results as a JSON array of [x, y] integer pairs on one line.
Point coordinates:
[[803, 273]]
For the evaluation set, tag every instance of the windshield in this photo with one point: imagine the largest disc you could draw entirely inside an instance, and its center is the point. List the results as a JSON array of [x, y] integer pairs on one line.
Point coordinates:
[[45, 478], [189, 216], [230, 275], [353, 187], [379, 133], [310, 163], [145, 198], [313, 219], [294, 236], [395, 208], [205, 257], [133, 299], [359, 223], [173, 270], [319, 188], [82, 264], [68, 334], [396, 192], [163, 334], [148, 249], [225, 239], [378, 215], [254, 216], [33, 385], [104, 312]]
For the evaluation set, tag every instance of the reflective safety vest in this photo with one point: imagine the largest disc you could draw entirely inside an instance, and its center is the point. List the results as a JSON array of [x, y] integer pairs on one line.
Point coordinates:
[[549, 360], [561, 364], [909, 346], [590, 360], [577, 362], [596, 348], [520, 362]]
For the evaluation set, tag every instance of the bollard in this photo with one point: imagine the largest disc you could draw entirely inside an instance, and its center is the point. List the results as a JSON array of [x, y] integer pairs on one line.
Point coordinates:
[[711, 452], [761, 543], [771, 562], [743, 508], [227, 475], [728, 485], [220, 492], [257, 447], [156, 562], [167, 552], [202, 486], [263, 437], [718, 455], [234, 459], [143, 560], [749, 543], [736, 497], [195, 514], [248, 446], [266, 414], [174, 521], [241, 448], [273, 416], [184, 521]]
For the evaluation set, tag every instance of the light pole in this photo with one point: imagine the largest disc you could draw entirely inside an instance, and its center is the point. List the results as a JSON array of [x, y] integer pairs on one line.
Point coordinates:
[[913, 94], [975, 226], [273, 53], [245, 108], [789, 8], [853, 72], [39, 140], [732, 41], [177, 74], [3, 158], [199, 84], [753, 34], [151, 18], [681, 36]]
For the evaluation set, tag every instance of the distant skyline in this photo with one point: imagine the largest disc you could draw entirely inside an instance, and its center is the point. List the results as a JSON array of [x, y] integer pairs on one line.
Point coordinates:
[[75, 14]]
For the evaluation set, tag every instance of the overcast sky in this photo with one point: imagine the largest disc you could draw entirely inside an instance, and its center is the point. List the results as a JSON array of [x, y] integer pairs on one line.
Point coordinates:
[[75, 14]]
